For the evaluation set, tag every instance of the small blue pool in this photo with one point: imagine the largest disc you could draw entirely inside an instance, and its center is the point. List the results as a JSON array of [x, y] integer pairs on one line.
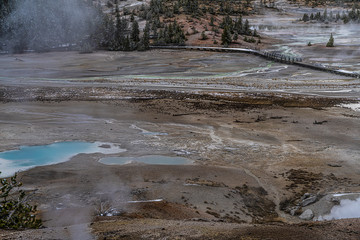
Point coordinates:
[[31, 156]]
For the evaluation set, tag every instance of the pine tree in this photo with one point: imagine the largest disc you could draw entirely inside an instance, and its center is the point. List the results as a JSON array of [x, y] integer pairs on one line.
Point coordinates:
[[212, 19], [247, 30], [226, 37], [331, 41], [120, 28], [325, 15], [146, 37], [305, 18], [239, 25], [227, 22], [15, 212], [311, 16], [236, 36], [176, 8], [135, 32], [127, 44]]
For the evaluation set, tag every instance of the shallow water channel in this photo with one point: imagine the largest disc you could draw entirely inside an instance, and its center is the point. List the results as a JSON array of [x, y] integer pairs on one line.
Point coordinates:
[[148, 159]]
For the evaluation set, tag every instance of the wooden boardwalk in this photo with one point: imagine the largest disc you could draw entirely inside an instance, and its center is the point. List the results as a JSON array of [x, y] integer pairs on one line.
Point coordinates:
[[274, 56]]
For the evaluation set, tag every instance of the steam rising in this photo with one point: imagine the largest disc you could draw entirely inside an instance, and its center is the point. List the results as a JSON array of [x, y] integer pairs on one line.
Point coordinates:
[[44, 24]]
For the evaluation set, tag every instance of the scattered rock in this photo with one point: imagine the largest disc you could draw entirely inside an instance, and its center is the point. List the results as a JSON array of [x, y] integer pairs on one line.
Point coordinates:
[[204, 182], [319, 123], [307, 215], [215, 214], [334, 165], [335, 200], [260, 118], [295, 211], [306, 195], [105, 146], [198, 220], [308, 199]]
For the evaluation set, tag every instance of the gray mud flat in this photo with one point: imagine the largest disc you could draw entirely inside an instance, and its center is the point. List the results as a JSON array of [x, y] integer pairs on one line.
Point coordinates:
[[263, 153], [257, 141], [48, 75]]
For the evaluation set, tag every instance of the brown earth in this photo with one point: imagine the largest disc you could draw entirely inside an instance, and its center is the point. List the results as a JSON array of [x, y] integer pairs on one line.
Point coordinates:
[[252, 156]]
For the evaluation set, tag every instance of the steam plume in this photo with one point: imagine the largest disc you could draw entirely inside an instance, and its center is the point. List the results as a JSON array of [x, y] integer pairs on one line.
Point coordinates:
[[44, 24]]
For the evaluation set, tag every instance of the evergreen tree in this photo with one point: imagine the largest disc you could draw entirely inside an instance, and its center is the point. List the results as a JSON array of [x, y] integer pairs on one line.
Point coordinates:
[[192, 6], [212, 20], [236, 36], [154, 30], [176, 8], [145, 40], [330, 43], [306, 17], [127, 44], [118, 38], [227, 22], [325, 15], [135, 32], [226, 37], [15, 212], [239, 25], [247, 30]]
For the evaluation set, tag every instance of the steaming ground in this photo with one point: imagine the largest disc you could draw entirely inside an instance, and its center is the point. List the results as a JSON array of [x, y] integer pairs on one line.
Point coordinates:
[[249, 156], [238, 140], [260, 134]]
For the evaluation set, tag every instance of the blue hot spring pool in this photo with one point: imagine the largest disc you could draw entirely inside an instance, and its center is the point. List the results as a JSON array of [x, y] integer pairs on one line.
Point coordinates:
[[149, 159], [31, 156]]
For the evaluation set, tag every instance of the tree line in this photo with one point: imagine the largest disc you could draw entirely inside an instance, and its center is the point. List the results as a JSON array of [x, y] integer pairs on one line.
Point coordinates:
[[316, 3], [43, 25], [349, 16], [233, 28]]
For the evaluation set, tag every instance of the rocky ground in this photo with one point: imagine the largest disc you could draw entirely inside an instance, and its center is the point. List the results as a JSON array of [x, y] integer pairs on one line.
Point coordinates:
[[253, 162], [268, 142]]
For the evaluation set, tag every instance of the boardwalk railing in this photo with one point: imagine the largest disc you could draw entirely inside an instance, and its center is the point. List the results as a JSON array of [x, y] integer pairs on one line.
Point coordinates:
[[274, 56]]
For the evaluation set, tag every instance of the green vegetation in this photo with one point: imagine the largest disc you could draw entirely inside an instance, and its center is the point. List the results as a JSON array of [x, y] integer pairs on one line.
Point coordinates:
[[226, 36], [163, 17], [204, 36], [318, 3], [330, 43], [352, 16], [15, 212], [121, 29], [171, 34]]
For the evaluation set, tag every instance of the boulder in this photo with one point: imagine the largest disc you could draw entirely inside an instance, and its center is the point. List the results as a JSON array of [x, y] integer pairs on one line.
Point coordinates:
[[307, 215], [335, 200], [295, 211], [308, 200]]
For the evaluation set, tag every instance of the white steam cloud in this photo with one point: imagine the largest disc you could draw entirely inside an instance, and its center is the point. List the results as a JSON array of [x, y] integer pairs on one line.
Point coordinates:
[[45, 24]]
